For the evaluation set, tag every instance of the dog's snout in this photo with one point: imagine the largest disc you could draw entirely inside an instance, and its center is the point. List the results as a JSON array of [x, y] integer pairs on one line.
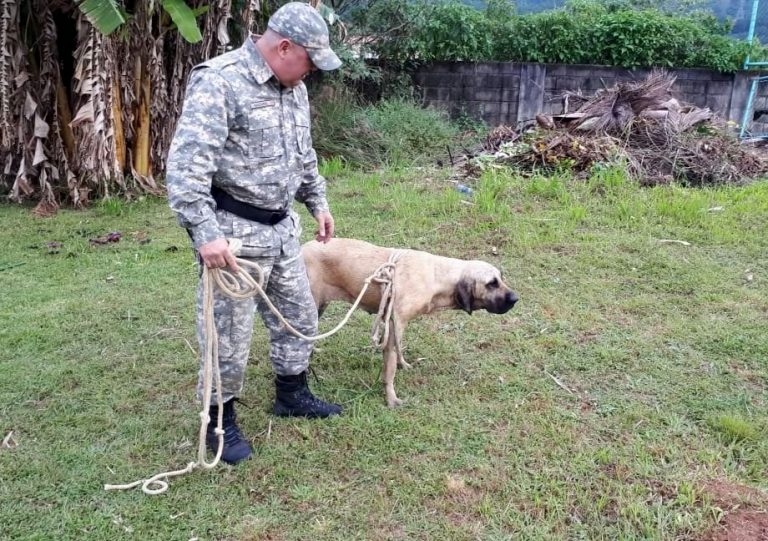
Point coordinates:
[[512, 298], [503, 303]]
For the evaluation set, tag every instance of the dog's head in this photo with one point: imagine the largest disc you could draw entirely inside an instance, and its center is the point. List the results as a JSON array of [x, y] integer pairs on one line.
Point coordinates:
[[481, 287]]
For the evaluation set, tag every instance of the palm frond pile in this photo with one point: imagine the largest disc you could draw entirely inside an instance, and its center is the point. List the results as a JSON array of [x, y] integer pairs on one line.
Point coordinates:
[[638, 123]]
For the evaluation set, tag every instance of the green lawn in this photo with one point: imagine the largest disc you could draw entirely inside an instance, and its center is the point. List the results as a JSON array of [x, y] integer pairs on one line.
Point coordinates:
[[659, 349]]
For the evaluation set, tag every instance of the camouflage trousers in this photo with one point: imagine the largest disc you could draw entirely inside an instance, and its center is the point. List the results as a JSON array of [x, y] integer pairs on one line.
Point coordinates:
[[287, 286]]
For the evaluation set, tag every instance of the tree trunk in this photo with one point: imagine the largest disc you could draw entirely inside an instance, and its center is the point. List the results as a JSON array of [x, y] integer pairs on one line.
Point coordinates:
[[65, 117], [117, 115], [141, 158]]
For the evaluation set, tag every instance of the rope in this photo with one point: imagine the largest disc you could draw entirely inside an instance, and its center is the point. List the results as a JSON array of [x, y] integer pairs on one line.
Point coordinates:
[[385, 275], [241, 286], [210, 369]]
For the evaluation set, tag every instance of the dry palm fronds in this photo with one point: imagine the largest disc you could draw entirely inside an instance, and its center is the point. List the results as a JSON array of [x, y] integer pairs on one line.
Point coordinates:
[[52, 163], [498, 136], [641, 125], [573, 100], [93, 123], [612, 110], [29, 152], [698, 160], [558, 148], [8, 43], [126, 96]]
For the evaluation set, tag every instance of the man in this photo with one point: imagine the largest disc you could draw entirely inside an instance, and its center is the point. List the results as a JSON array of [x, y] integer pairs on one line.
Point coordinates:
[[241, 153]]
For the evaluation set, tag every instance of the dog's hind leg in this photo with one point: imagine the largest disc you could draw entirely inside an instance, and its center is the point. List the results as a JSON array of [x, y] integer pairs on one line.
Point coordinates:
[[399, 330], [390, 366]]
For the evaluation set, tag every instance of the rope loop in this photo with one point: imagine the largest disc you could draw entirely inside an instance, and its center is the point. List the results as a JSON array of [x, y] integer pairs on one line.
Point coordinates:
[[239, 286]]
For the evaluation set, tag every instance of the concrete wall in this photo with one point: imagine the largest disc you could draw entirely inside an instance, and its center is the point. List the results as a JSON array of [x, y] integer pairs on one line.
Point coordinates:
[[507, 92]]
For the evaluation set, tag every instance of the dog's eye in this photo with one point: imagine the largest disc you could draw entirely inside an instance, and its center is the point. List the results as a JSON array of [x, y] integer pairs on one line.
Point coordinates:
[[493, 284]]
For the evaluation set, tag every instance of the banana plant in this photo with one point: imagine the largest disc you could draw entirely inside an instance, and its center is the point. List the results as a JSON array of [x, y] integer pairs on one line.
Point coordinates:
[[105, 15], [108, 15]]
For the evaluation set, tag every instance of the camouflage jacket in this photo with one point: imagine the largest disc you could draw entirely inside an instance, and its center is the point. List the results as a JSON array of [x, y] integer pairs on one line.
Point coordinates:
[[240, 131]]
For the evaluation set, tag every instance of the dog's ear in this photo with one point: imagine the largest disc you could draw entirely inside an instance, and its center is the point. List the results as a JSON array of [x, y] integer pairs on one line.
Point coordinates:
[[463, 295]]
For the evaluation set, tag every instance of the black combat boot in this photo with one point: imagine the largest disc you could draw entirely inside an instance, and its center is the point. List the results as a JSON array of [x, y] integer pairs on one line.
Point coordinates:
[[294, 399], [236, 447]]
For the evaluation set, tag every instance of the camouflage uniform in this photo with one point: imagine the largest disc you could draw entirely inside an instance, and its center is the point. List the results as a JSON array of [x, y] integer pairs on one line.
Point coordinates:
[[242, 132]]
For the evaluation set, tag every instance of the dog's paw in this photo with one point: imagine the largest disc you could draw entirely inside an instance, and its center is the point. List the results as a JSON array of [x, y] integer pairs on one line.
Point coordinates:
[[394, 402]]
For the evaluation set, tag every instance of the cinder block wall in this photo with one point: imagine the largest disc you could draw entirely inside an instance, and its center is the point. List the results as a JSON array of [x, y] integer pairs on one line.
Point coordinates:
[[508, 92]]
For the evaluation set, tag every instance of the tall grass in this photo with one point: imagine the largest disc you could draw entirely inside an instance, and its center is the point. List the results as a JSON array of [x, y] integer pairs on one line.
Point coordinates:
[[396, 132]]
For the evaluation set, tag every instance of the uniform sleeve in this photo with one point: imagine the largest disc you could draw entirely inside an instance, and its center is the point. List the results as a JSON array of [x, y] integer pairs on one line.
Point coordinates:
[[193, 158], [312, 189]]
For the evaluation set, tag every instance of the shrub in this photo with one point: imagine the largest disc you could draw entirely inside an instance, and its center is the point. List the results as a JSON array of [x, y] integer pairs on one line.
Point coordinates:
[[338, 128], [583, 32], [408, 133], [395, 131]]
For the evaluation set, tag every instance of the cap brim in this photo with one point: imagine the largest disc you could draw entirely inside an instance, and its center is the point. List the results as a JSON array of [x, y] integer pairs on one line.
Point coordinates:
[[324, 59]]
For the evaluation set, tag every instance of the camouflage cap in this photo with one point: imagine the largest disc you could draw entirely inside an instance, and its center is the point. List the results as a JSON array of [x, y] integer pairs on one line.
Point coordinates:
[[303, 25]]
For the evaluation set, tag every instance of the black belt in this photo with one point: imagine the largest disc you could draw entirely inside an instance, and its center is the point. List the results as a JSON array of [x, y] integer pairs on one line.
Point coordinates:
[[226, 202]]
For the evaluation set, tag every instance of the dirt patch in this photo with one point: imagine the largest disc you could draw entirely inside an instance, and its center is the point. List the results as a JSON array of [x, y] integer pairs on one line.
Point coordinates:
[[460, 500], [741, 525], [746, 512]]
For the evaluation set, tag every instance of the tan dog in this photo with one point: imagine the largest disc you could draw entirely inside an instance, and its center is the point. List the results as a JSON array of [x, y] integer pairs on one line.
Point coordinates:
[[424, 284]]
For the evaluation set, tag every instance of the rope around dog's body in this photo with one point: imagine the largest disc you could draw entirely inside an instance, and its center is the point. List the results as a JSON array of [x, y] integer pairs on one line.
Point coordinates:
[[385, 275], [241, 286]]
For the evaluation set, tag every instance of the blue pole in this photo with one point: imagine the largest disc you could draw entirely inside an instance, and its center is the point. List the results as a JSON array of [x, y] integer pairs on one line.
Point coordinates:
[[748, 109], [751, 33]]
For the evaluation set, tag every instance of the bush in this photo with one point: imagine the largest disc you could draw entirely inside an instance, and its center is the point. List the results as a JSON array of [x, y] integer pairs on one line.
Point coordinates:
[[457, 32], [408, 133], [584, 32], [340, 129], [395, 132]]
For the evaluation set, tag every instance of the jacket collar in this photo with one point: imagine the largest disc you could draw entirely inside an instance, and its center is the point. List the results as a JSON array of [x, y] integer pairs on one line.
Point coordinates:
[[258, 67]]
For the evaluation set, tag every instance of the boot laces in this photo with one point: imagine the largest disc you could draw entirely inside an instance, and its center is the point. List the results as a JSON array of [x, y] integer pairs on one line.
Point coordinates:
[[311, 370], [232, 434]]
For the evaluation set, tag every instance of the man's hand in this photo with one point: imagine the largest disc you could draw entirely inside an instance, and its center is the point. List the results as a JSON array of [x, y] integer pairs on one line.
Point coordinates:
[[216, 255], [325, 227]]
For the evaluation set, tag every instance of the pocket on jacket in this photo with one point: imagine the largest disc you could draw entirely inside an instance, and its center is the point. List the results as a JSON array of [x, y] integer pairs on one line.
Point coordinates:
[[303, 136], [265, 134]]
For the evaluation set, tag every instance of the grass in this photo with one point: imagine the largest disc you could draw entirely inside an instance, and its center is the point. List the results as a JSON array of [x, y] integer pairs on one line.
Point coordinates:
[[660, 349], [395, 132]]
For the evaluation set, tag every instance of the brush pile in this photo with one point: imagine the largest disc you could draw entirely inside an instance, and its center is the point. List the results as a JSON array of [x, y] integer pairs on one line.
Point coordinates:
[[639, 124]]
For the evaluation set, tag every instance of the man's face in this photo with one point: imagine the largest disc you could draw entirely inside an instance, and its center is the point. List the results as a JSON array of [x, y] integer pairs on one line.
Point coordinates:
[[294, 63]]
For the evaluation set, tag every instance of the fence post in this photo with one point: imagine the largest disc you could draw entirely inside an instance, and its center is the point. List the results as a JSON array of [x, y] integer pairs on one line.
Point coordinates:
[[531, 95]]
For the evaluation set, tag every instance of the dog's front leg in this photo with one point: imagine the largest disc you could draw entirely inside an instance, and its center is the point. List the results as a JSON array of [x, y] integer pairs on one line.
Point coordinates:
[[390, 366]]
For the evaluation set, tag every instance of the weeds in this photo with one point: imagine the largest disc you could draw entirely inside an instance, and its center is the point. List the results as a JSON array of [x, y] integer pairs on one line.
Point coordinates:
[[395, 132]]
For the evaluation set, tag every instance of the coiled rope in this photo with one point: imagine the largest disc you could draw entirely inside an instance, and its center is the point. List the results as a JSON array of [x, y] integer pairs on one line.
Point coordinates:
[[239, 286]]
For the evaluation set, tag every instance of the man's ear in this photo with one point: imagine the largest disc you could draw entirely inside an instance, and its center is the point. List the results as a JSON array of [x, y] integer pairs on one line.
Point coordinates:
[[463, 295], [284, 47]]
